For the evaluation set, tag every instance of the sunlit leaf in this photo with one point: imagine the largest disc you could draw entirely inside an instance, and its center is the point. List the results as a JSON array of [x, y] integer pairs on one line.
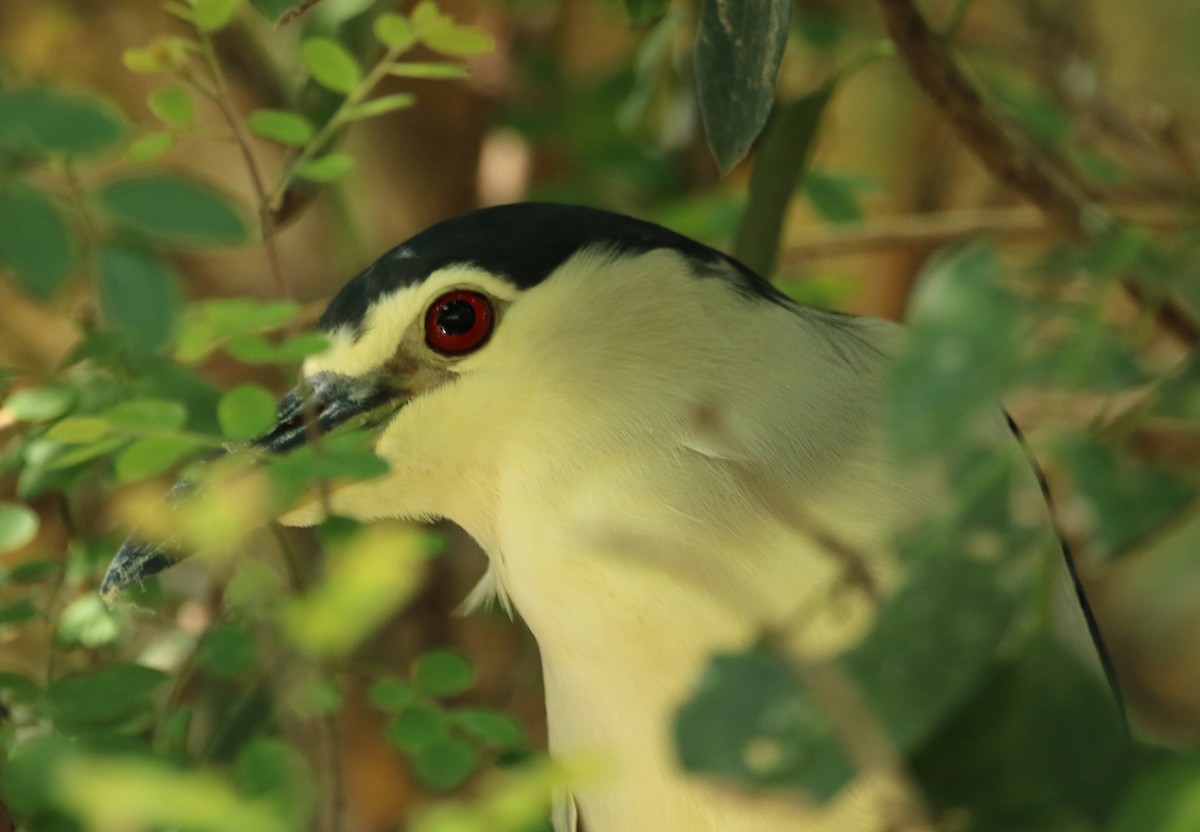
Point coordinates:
[[428, 70], [448, 38], [36, 241], [18, 525], [173, 105], [79, 430], [149, 147], [175, 207], [394, 32], [281, 126], [213, 15], [146, 414], [88, 622], [254, 349], [330, 64], [210, 323], [41, 404], [150, 456], [328, 168], [738, 53], [246, 411], [381, 105]]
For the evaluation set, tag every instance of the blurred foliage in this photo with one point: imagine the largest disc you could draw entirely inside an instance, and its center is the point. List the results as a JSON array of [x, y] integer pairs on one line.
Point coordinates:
[[218, 710]]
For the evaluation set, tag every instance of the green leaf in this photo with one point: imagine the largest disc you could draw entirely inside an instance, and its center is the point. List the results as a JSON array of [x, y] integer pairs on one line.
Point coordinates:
[[417, 727], [1128, 502], [58, 122], [88, 622], [328, 168], [173, 105], [176, 208], [41, 404], [1165, 799], [138, 295], [101, 698], [210, 323], [782, 161], [428, 70], [738, 52], [246, 411], [330, 64], [445, 764], [443, 673], [227, 650], [643, 12], [151, 456], [281, 126], [1041, 748], [272, 770], [831, 198], [19, 611], [18, 687], [36, 241], [33, 571], [79, 430], [272, 10], [394, 32], [146, 415], [321, 696], [492, 727], [448, 38], [254, 349], [149, 147], [381, 105], [392, 694], [213, 15], [18, 525]]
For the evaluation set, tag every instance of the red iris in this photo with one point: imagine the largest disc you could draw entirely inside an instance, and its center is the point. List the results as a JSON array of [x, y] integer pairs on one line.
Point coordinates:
[[458, 322]]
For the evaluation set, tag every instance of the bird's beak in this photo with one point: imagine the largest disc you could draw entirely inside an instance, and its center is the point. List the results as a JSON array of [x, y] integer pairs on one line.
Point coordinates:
[[322, 403]]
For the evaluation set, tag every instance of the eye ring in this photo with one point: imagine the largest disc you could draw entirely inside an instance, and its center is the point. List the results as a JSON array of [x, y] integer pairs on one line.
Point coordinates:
[[459, 322]]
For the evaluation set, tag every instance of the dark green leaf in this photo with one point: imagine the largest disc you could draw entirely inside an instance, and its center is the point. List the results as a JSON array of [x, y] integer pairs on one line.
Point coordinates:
[[445, 764], [417, 727], [18, 687], [831, 197], [642, 12], [392, 694], [139, 295], [246, 411], [443, 673], [36, 242], [102, 697], [782, 160], [273, 770], [175, 207], [18, 525], [1128, 502], [227, 650], [330, 64], [1040, 748], [41, 404], [738, 53], [18, 611], [281, 126], [491, 727], [58, 122], [32, 571], [173, 105]]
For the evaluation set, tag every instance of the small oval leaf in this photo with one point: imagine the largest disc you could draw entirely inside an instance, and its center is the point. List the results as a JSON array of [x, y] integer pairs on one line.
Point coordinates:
[[246, 411], [177, 208], [36, 242], [330, 64], [18, 525], [281, 126]]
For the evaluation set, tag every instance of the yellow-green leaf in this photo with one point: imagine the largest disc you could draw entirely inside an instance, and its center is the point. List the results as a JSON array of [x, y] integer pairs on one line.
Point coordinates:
[[214, 15], [149, 456], [18, 525], [149, 147], [173, 105], [281, 126], [330, 64], [428, 70], [448, 38], [394, 32], [246, 411], [328, 168], [381, 105]]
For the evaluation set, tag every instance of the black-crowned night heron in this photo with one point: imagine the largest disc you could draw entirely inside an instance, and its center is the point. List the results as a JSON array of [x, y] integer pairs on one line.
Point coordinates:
[[629, 423]]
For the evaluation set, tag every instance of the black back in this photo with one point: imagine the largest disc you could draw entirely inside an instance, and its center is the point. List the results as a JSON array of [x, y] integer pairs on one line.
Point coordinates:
[[524, 243]]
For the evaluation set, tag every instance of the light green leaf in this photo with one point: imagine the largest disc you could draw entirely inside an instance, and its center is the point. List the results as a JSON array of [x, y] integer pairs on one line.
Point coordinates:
[[246, 411], [281, 126], [146, 414], [738, 53], [173, 105], [381, 105], [175, 207], [254, 349], [330, 64], [429, 70], [213, 15], [448, 38], [149, 147], [328, 168], [79, 430], [394, 32], [150, 456], [18, 525], [36, 242], [88, 622], [138, 295], [41, 404], [210, 323]]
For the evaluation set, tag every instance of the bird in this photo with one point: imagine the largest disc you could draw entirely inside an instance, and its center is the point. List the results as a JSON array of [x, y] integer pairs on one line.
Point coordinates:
[[652, 445]]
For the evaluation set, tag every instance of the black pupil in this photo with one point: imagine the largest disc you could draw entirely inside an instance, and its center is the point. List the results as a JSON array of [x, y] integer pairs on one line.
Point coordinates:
[[456, 318]]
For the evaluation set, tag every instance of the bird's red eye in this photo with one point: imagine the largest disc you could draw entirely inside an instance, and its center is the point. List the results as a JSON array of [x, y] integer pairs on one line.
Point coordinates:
[[458, 322]]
